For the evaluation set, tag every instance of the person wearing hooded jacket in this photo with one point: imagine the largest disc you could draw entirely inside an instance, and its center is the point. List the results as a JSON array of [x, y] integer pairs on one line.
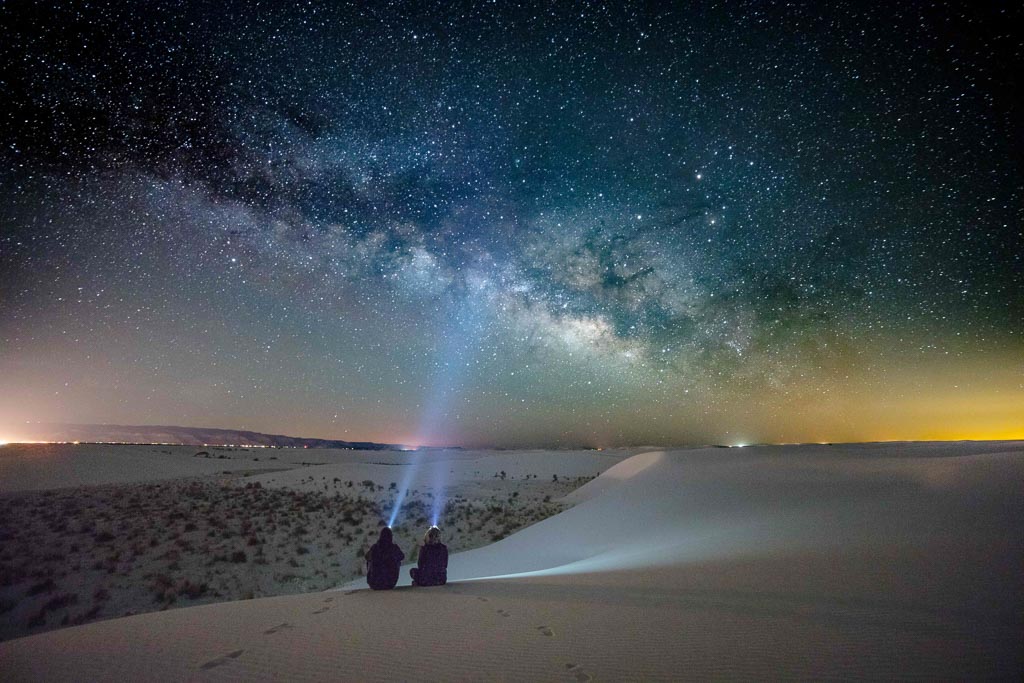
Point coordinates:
[[383, 562], [432, 565]]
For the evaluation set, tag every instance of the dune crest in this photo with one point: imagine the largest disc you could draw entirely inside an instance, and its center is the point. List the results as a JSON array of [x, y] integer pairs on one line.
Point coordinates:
[[619, 472]]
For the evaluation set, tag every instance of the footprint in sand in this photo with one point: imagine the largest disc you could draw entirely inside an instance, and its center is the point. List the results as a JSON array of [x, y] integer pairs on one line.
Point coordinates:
[[546, 631], [322, 610], [351, 592], [331, 599], [481, 598], [275, 629], [504, 613], [578, 673], [223, 659]]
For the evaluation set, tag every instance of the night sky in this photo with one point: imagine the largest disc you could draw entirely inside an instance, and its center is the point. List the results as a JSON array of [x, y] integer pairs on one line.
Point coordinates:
[[577, 223]]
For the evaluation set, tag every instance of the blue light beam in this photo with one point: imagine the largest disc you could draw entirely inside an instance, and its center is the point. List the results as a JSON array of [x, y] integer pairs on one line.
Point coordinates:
[[454, 360]]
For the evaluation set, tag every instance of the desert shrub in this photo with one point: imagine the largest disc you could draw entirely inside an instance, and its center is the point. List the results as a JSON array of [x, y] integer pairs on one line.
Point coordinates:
[[61, 601], [88, 615], [192, 590], [38, 619], [161, 581], [103, 537], [42, 587], [239, 556]]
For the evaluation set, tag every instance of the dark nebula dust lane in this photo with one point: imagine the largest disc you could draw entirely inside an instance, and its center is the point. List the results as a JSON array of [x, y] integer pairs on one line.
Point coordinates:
[[514, 224]]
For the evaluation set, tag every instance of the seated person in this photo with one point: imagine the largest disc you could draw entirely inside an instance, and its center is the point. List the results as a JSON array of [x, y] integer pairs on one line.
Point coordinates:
[[383, 562], [432, 566]]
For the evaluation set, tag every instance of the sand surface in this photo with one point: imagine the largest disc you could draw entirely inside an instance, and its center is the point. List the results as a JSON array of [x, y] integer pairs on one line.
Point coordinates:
[[812, 562]]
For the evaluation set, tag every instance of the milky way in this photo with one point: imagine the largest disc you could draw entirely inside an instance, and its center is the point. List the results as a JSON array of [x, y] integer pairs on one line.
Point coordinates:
[[505, 224]]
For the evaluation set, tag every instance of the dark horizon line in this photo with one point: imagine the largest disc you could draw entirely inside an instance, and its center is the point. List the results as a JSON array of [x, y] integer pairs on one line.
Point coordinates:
[[345, 444]]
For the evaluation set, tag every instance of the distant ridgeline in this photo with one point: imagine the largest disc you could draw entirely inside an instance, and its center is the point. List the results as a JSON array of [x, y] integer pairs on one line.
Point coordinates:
[[187, 436]]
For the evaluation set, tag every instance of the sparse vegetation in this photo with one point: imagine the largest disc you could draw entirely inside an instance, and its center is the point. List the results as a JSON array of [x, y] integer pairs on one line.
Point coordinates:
[[143, 547]]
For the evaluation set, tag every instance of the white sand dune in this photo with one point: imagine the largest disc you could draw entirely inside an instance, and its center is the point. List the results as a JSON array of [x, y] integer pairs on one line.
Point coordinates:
[[867, 561]]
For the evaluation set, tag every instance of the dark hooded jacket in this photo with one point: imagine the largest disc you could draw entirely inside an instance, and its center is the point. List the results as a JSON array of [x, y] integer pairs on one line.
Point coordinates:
[[432, 566], [383, 562]]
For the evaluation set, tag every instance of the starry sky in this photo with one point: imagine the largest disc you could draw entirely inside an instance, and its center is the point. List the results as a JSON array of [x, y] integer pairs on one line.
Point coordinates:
[[514, 224]]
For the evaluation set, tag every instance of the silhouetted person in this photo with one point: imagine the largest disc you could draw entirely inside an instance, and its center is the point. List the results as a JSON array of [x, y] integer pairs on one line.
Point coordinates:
[[432, 566], [383, 562]]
